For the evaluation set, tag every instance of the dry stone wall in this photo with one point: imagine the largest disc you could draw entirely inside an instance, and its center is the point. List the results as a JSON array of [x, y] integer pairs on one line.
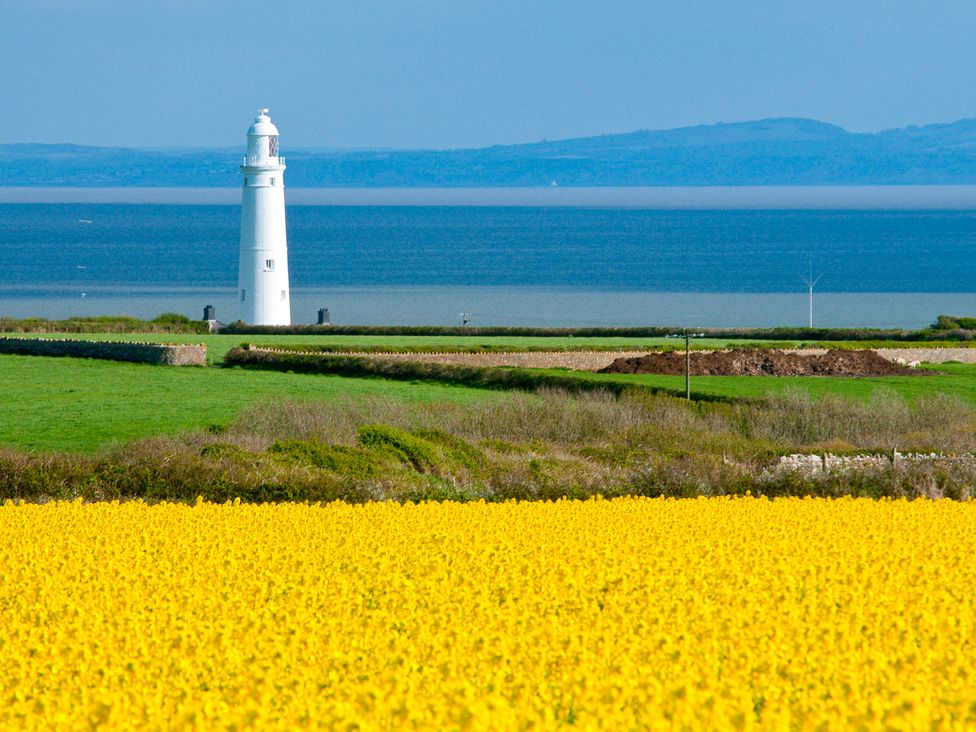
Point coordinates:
[[155, 353], [813, 464]]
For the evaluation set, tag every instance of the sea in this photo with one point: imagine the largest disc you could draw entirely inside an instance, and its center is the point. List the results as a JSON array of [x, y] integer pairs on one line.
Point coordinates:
[[887, 257]]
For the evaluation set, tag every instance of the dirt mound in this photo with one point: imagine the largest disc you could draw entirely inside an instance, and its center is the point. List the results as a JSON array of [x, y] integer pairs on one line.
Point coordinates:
[[761, 362]]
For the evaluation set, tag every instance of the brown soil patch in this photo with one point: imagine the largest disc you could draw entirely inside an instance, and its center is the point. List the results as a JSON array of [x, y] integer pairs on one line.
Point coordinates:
[[762, 362]]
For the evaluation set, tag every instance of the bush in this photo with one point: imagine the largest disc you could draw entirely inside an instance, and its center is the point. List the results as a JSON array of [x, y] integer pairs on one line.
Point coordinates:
[[349, 461], [954, 322], [409, 448], [171, 319]]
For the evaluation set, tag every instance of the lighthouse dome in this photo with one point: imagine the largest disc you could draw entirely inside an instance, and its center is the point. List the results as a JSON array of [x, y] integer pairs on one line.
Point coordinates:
[[262, 142], [262, 125]]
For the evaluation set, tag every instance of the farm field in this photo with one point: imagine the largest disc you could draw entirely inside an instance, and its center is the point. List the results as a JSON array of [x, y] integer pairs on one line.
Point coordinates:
[[631, 613], [83, 404]]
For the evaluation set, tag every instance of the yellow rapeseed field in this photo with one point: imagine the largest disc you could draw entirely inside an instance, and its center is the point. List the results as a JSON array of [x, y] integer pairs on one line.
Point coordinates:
[[624, 614]]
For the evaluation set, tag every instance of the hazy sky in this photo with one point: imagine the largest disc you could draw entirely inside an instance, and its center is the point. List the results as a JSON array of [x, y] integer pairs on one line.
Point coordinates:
[[454, 73]]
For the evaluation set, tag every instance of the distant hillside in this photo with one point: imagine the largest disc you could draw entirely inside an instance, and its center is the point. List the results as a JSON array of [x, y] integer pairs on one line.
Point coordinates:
[[765, 152]]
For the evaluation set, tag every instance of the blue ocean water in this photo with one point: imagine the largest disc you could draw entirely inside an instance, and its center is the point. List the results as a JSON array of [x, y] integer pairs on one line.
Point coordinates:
[[550, 265]]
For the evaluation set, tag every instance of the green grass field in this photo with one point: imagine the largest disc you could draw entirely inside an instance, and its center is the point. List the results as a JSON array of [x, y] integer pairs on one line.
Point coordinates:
[[82, 404], [953, 379]]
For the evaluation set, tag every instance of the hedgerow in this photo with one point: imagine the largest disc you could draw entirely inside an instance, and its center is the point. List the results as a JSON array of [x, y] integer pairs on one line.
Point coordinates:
[[487, 377], [945, 328]]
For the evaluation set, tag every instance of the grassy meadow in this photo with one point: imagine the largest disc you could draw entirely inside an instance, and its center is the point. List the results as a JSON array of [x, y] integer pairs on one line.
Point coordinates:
[[84, 404]]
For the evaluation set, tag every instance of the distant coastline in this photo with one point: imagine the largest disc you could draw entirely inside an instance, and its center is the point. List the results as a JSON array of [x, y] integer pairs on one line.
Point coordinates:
[[769, 152], [915, 197]]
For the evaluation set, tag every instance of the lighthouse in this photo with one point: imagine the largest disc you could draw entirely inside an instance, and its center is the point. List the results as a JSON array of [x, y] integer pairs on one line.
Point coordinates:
[[263, 294]]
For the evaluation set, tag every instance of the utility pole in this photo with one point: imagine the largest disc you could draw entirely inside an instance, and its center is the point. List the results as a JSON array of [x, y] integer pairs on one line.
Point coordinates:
[[810, 282], [687, 335]]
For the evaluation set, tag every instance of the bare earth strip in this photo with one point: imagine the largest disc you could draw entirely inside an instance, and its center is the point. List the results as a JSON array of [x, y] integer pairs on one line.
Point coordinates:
[[576, 360], [595, 360]]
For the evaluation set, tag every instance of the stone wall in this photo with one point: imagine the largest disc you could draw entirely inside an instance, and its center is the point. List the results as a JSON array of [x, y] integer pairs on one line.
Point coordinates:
[[813, 464], [156, 353]]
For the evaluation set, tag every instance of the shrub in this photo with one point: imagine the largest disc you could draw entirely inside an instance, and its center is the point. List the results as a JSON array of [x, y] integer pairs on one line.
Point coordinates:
[[349, 461], [954, 322], [411, 449], [171, 319]]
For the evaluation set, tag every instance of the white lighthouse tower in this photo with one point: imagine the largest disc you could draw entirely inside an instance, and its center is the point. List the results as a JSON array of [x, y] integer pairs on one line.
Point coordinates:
[[263, 295]]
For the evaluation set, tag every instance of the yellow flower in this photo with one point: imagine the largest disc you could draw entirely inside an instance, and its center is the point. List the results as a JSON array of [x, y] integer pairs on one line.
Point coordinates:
[[606, 614]]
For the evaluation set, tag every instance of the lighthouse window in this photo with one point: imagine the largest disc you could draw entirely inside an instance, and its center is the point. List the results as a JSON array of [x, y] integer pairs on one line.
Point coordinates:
[[269, 264], [273, 145], [272, 181], [284, 295]]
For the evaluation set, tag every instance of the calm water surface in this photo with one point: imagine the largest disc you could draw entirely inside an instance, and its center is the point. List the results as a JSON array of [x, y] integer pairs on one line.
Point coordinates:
[[624, 260]]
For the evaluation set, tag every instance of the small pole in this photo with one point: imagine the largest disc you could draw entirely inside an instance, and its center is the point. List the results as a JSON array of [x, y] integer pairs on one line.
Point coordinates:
[[687, 364], [810, 281]]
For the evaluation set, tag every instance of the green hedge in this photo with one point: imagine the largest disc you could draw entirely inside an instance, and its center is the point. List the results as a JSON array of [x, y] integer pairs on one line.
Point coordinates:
[[483, 348], [486, 377], [165, 323], [954, 322], [936, 332]]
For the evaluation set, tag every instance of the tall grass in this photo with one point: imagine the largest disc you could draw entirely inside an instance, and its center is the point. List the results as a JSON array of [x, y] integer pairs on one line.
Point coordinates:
[[528, 446], [551, 416], [884, 422]]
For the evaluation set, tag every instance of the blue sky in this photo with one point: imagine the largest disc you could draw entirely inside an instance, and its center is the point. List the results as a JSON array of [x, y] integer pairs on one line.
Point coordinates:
[[454, 73]]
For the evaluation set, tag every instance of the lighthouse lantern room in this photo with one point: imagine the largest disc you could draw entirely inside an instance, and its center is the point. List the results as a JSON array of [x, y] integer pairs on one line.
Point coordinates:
[[263, 293]]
